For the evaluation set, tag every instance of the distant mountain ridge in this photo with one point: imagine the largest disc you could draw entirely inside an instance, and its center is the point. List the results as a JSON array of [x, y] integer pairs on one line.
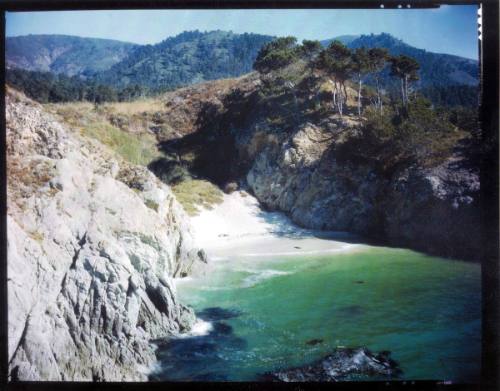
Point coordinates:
[[65, 54], [195, 56]]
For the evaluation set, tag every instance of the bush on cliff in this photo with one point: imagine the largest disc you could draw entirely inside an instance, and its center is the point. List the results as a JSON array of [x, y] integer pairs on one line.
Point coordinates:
[[400, 138]]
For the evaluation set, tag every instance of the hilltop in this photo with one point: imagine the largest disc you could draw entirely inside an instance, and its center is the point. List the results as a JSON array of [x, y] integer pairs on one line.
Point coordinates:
[[65, 54], [193, 56]]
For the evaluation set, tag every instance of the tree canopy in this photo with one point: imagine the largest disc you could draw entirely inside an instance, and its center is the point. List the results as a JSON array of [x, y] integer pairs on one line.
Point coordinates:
[[276, 54]]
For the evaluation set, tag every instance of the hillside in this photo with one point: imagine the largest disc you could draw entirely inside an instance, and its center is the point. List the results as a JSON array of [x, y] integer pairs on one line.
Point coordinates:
[[193, 57], [188, 58], [64, 54]]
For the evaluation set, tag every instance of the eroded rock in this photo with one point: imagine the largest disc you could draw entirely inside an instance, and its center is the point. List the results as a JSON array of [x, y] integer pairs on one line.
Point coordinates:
[[340, 365], [93, 244]]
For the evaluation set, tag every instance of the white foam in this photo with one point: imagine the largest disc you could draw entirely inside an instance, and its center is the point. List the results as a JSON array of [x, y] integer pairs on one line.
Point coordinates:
[[200, 328], [178, 280]]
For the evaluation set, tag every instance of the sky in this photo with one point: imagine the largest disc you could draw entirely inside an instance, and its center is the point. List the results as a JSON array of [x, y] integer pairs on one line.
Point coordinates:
[[449, 29]]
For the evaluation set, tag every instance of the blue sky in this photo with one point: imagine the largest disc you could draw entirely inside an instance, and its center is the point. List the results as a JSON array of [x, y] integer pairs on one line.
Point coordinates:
[[449, 29]]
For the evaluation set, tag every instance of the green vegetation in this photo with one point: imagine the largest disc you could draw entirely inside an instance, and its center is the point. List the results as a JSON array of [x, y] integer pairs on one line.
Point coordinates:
[[152, 205], [117, 71], [405, 68], [395, 130], [138, 148], [197, 193], [339, 64], [278, 54], [47, 87], [135, 148], [190, 57], [400, 138], [65, 54]]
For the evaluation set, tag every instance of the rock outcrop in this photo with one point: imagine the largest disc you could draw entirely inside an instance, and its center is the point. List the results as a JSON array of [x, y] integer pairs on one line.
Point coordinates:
[[339, 366], [93, 245], [433, 210]]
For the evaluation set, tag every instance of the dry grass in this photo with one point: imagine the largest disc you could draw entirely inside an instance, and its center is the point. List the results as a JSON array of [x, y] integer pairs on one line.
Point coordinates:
[[30, 174], [195, 193], [37, 236], [134, 107]]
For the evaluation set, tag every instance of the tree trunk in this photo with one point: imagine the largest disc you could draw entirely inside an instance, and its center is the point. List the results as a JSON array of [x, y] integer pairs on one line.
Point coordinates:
[[341, 105], [334, 95], [379, 97], [406, 90], [359, 96], [402, 92]]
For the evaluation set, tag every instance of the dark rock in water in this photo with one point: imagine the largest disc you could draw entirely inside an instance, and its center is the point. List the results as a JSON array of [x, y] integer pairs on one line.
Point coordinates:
[[314, 341], [350, 310], [341, 364], [218, 313], [222, 328], [203, 256], [297, 247], [197, 358], [359, 282]]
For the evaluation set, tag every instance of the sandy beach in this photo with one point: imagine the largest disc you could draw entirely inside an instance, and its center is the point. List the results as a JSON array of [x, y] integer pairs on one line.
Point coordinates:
[[240, 227]]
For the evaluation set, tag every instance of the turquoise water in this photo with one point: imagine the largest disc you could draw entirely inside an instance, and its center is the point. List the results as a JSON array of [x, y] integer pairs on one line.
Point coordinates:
[[264, 311]]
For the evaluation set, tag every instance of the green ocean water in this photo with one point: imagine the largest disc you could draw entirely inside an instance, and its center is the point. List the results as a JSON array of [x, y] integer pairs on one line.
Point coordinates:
[[264, 311]]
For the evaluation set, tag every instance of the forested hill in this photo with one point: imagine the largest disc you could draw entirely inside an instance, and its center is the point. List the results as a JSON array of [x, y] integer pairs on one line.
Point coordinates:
[[436, 69], [118, 70], [64, 54], [187, 58]]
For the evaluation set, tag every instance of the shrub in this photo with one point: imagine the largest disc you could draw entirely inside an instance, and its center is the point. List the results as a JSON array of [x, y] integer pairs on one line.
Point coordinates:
[[152, 205], [194, 194], [400, 138]]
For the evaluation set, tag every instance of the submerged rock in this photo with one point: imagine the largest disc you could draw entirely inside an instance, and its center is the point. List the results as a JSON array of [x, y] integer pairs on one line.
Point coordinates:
[[93, 244], [315, 341], [340, 365]]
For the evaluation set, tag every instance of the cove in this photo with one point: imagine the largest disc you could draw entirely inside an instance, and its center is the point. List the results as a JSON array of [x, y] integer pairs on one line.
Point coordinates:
[[274, 302]]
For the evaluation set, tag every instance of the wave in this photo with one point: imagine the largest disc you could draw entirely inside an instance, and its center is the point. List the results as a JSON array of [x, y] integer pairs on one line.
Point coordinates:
[[343, 248], [261, 276]]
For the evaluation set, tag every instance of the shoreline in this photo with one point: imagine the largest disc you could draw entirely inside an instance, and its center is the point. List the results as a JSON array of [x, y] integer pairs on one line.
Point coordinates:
[[239, 227]]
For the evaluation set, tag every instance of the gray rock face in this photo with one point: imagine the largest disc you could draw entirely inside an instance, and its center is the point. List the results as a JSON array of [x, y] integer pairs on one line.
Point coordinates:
[[93, 245], [433, 210]]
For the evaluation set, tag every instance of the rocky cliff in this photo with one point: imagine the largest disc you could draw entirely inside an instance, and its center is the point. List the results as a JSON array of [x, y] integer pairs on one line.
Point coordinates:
[[286, 145], [434, 210], [93, 245]]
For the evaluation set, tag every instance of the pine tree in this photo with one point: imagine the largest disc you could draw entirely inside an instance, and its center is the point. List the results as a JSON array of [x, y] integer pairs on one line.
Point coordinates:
[[336, 61], [377, 60], [360, 66], [406, 68]]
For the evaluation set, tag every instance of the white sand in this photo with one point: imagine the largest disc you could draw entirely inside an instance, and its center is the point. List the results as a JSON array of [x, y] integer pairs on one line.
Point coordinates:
[[239, 227]]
